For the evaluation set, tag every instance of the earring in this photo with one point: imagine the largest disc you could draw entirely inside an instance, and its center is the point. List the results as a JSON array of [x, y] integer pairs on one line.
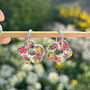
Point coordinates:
[[59, 51], [30, 51]]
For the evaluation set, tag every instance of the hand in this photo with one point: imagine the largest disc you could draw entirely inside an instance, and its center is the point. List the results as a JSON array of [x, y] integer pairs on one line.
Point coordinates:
[[1, 16], [5, 40]]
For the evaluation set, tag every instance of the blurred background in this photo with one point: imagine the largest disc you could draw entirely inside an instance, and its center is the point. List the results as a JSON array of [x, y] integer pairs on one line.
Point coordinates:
[[68, 15]]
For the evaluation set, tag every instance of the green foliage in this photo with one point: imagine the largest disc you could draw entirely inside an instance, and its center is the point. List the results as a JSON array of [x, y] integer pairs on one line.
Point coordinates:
[[24, 14]]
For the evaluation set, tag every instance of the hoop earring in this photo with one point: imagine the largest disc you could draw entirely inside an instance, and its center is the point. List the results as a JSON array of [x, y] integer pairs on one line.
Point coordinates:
[[30, 51]]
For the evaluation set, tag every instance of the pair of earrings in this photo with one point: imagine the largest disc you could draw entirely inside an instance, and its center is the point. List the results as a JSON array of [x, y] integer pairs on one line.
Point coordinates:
[[56, 51]]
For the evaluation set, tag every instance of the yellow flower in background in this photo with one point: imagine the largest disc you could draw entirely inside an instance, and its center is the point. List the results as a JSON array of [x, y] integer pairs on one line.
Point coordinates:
[[71, 11], [62, 11], [83, 24], [84, 15], [77, 13], [74, 82], [88, 19]]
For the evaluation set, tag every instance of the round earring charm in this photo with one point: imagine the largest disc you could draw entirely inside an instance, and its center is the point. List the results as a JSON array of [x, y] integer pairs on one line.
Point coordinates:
[[31, 52], [58, 52]]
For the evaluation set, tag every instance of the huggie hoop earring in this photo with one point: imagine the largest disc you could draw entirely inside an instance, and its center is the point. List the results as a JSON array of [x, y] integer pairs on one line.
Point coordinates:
[[30, 51]]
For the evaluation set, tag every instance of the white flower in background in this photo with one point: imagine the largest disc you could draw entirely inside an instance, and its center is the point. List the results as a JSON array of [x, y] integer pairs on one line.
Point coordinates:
[[70, 87], [37, 86], [53, 77], [34, 86], [30, 87], [14, 48], [48, 87], [3, 81], [60, 86], [39, 69], [27, 67], [31, 78], [21, 75], [6, 71], [64, 79], [71, 63], [13, 80], [12, 89]]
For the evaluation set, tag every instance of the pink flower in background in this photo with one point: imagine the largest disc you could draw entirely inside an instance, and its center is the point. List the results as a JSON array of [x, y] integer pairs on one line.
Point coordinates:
[[22, 49], [65, 46]]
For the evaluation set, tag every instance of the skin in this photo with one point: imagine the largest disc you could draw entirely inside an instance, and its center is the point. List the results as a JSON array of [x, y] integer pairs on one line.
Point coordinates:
[[5, 40]]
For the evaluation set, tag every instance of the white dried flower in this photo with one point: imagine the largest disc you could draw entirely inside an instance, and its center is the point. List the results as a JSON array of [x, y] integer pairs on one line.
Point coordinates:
[[53, 77]]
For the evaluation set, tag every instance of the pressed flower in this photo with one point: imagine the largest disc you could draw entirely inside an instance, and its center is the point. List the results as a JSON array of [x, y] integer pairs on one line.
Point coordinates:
[[56, 46], [51, 59], [37, 61], [36, 57], [27, 62], [51, 55], [39, 49], [30, 42], [56, 59], [65, 46], [31, 46], [22, 49], [38, 53], [59, 63], [25, 57], [51, 44], [70, 53]]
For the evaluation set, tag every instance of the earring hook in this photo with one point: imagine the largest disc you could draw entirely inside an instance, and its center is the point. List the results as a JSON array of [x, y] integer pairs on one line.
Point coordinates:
[[61, 37], [28, 36], [61, 34]]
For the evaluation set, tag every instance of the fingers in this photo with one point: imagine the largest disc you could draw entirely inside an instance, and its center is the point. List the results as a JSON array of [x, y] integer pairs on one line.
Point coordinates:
[[6, 40], [1, 16]]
